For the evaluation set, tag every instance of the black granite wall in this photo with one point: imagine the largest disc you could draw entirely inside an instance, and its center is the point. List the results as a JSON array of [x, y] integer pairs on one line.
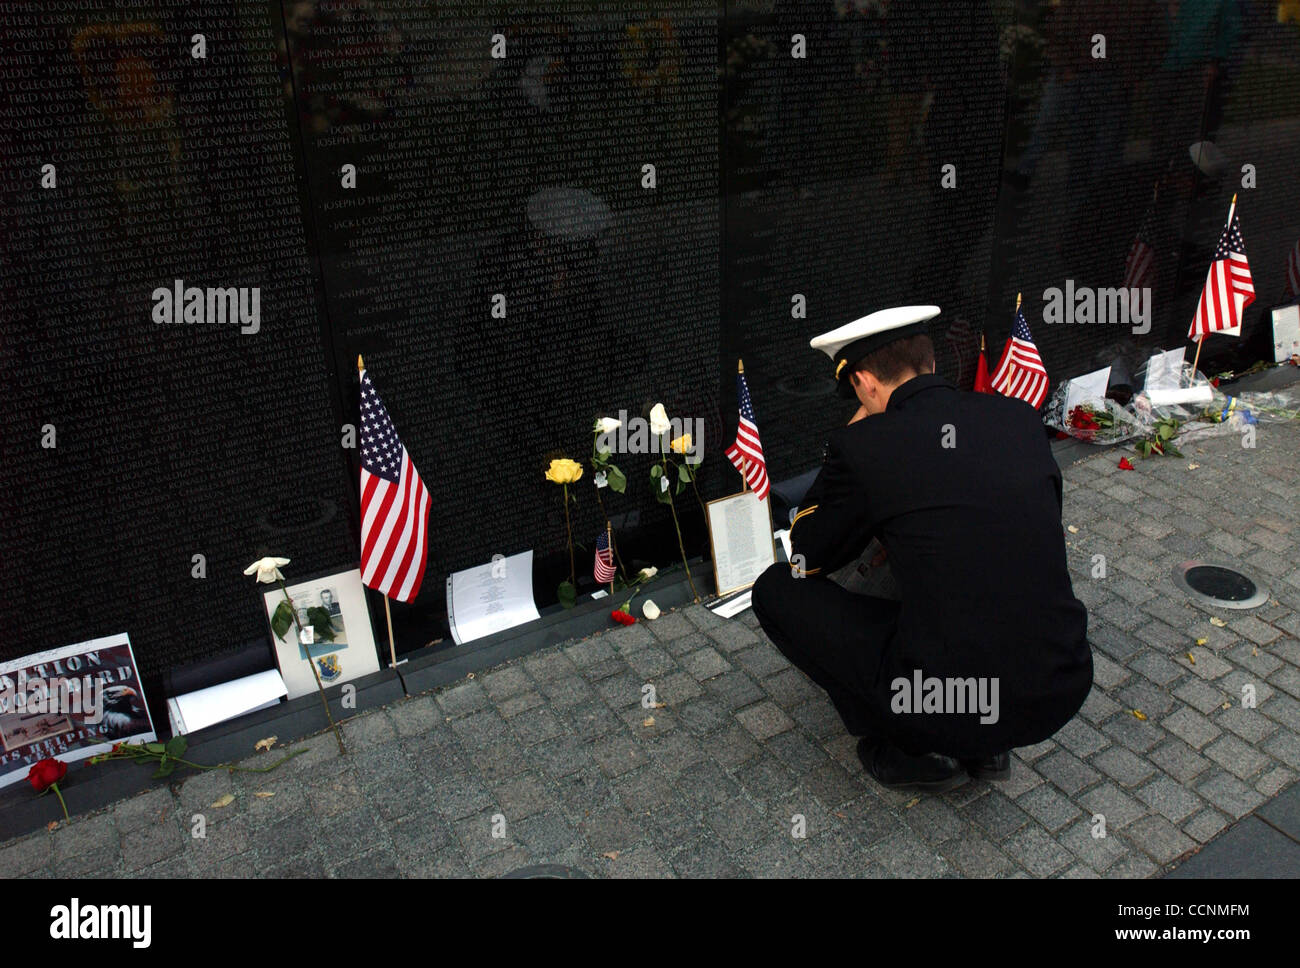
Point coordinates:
[[385, 183]]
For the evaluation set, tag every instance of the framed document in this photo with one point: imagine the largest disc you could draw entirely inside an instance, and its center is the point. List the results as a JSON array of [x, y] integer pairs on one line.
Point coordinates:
[[342, 650], [740, 533]]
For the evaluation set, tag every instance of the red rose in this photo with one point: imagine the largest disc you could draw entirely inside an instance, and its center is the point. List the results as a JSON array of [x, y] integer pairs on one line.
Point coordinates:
[[622, 617], [1124, 465], [46, 773], [1214, 382]]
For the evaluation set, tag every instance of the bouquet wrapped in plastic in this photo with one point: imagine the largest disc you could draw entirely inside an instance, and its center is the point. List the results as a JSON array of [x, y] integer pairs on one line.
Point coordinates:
[[1097, 421], [1188, 406]]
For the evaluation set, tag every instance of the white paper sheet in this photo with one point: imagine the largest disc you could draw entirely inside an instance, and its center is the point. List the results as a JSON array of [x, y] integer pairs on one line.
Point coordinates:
[[1089, 388], [783, 536], [734, 606], [1286, 333], [207, 707], [1197, 394], [1165, 370], [491, 598]]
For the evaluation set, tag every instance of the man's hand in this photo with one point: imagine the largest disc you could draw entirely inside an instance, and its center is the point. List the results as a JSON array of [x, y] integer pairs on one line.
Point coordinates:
[[862, 412]]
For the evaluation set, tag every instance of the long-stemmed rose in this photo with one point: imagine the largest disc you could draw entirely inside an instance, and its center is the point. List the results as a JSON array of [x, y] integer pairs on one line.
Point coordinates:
[[663, 491], [606, 474], [171, 754], [682, 445], [267, 571], [565, 472], [45, 776]]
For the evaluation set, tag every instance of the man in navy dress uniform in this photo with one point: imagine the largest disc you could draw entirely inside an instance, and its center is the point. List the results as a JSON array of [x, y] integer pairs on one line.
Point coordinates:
[[987, 649]]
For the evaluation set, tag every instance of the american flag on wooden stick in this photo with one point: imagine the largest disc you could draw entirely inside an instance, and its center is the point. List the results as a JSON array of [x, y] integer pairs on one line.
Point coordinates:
[[394, 505], [747, 452], [1020, 372], [1229, 288], [603, 570]]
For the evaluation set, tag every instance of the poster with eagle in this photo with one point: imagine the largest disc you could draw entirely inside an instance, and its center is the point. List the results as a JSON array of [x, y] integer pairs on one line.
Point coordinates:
[[70, 703]]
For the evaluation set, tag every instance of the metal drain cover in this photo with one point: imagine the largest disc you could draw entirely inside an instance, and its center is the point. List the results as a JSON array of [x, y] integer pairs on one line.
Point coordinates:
[[1224, 586]]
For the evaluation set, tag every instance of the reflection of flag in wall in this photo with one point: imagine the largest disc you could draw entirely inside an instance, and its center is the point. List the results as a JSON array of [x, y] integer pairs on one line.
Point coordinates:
[[961, 337], [1140, 266], [394, 505], [1229, 288], [747, 452], [1293, 272], [603, 570], [982, 382], [1020, 372]]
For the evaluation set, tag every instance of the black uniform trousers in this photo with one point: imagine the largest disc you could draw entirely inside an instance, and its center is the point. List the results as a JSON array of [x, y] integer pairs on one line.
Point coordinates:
[[836, 638]]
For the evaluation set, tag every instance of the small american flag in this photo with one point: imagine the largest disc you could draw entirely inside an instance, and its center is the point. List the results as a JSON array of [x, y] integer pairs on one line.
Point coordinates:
[[1229, 288], [1293, 272], [1020, 372], [747, 452], [604, 567], [394, 505]]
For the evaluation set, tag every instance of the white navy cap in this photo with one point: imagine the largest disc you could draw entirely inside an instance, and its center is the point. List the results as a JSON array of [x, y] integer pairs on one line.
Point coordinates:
[[852, 341]]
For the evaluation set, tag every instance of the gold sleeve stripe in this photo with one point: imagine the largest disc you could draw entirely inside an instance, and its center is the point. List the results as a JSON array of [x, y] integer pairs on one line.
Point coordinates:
[[810, 571], [802, 513]]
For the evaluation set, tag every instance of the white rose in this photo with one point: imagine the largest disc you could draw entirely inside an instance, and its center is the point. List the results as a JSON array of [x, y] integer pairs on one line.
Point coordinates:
[[650, 610], [607, 425], [267, 569], [647, 573], [659, 420]]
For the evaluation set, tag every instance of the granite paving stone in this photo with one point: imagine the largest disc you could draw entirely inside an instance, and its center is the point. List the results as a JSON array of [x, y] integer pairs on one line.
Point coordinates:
[[547, 759]]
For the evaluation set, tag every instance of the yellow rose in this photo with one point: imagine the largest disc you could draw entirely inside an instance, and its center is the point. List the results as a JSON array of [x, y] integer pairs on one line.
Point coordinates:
[[682, 444], [564, 471]]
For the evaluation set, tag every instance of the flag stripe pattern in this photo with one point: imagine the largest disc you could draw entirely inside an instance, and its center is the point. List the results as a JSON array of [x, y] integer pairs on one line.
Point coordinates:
[[747, 451], [1020, 372], [394, 505], [603, 570], [1140, 266], [1229, 288], [1293, 272]]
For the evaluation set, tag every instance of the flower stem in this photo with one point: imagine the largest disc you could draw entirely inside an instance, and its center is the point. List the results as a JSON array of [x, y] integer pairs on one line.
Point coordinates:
[[338, 736], [680, 545], [239, 769], [57, 793], [573, 579], [691, 474]]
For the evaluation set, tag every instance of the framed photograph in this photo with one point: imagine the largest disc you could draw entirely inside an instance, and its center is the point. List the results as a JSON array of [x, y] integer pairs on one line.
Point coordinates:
[[740, 533], [70, 703], [338, 638]]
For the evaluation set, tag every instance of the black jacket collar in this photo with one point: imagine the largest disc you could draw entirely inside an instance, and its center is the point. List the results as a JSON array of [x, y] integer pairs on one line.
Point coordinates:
[[918, 384]]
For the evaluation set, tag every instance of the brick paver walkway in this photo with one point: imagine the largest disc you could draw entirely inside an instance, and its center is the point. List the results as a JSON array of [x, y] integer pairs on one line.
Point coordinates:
[[555, 753]]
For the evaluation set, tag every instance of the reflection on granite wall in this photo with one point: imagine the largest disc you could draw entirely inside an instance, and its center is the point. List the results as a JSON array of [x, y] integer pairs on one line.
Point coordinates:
[[527, 220]]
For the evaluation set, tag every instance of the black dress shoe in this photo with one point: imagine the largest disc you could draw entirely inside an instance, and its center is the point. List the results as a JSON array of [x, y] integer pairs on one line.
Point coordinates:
[[930, 773], [995, 767]]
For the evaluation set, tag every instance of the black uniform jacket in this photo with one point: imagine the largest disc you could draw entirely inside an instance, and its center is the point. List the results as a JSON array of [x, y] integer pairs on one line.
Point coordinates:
[[963, 491]]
